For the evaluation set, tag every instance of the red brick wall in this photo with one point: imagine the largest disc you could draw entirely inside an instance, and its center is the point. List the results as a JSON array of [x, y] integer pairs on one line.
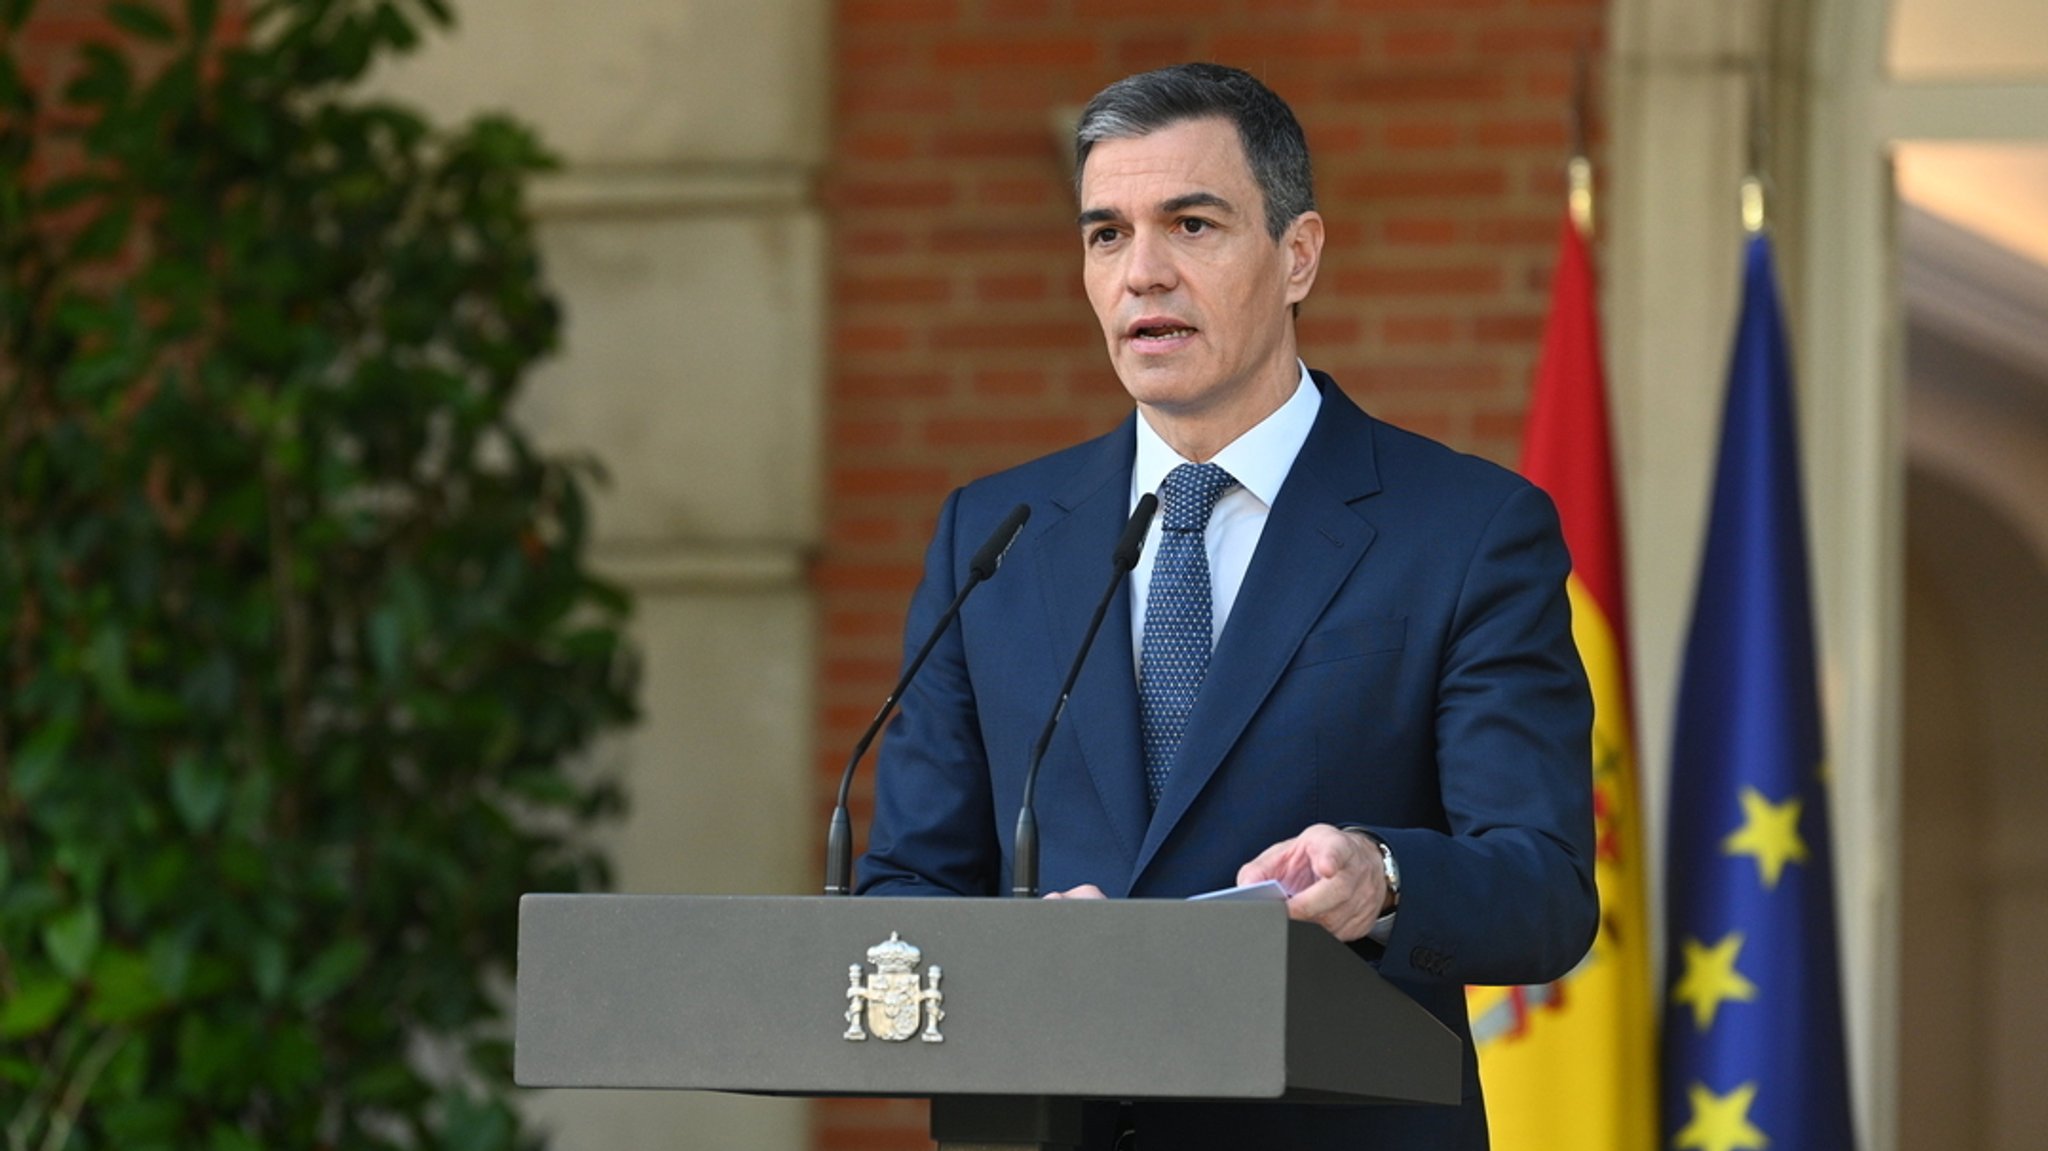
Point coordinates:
[[961, 341]]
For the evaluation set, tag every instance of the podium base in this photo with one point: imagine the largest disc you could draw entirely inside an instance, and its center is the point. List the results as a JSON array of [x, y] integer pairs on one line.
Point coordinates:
[[1022, 1123]]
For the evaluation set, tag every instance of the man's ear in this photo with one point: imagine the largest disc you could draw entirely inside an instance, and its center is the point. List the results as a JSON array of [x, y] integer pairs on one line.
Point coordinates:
[[1303, 242]]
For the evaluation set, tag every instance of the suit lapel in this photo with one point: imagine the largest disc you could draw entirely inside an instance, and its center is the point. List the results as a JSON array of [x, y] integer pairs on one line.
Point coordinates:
[[1073, 567], [1312, 540]]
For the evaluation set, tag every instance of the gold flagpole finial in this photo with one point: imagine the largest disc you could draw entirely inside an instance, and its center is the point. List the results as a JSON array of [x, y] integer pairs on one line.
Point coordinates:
[[1754, 218], [1579, 175]]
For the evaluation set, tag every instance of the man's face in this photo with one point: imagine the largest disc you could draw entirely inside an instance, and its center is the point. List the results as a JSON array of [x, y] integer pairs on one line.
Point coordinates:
[[1194, 296]]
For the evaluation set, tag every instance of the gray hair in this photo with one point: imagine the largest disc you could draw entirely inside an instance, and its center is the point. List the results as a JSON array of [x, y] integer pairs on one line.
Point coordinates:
[[1273, 142]]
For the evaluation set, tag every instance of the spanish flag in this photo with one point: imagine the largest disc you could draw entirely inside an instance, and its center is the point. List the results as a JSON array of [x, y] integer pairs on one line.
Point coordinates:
[[1572, 1064]]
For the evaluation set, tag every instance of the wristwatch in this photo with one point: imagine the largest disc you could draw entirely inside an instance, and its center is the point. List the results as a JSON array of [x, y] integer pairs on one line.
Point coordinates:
[[1393, 873], [1387, 864]]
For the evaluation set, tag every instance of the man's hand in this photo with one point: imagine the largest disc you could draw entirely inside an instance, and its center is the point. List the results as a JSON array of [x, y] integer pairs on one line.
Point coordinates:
[[1337, 878], [1085, 891]]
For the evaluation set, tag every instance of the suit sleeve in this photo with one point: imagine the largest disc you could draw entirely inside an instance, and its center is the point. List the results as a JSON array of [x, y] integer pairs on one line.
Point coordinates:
[[1506, 895], [933, 831]]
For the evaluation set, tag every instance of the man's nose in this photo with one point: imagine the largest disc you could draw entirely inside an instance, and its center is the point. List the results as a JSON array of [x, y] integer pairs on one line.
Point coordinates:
[[1151, 267]]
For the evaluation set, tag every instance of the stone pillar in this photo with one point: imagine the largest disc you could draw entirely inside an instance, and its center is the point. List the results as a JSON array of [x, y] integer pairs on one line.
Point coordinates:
[[686, 244]]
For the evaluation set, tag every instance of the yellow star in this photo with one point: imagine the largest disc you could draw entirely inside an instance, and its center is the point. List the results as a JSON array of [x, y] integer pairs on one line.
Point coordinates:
[[1710, 978], [1721, 1122], [1770, 833]]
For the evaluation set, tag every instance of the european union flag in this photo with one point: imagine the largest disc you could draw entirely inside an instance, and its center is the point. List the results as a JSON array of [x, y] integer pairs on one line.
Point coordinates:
[[1753, 1048]]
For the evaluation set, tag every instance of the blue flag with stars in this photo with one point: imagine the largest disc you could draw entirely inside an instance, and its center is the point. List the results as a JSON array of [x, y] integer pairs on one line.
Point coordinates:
[[1754, 1055]]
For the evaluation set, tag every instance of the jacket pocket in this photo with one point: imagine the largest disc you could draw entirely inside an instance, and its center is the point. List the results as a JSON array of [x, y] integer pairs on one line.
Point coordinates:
[[1351, 640]]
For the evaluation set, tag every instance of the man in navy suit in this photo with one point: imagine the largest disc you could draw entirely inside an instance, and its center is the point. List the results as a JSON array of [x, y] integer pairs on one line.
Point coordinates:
[[1355, 676]]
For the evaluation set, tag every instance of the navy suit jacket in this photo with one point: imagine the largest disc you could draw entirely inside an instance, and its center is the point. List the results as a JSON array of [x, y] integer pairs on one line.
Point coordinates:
[[1399, 657]]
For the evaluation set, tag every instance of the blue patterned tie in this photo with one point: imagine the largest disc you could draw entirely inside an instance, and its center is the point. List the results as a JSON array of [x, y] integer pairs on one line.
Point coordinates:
[[1174, 653]]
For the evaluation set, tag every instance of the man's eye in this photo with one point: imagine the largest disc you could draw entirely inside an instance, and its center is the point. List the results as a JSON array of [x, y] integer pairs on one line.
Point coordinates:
[[1102, 236], [1194, 226]]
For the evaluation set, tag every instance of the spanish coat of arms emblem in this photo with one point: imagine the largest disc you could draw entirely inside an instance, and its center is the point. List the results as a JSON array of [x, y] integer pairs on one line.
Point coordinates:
[[891, 1002]]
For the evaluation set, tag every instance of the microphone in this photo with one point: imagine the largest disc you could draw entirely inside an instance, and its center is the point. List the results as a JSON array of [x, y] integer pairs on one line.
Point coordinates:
[[1024, 871], [839, 840]]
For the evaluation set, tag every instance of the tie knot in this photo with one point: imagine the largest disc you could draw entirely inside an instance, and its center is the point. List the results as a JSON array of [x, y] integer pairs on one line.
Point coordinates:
[[1190, 494]]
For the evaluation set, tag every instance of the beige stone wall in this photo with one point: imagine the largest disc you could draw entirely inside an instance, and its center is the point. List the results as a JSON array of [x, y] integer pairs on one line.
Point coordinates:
[[684, 239], [1842, 90]]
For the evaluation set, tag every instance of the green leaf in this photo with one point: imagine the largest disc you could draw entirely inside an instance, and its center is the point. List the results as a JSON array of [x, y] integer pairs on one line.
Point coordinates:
[[250, 809], [388, 1083], [170, 959], [492, 1057], [123, 989], [133, 1122], [350, 48], [84, 859], [105, 79], [242, 865], [387, 642], [143, 20], [40, 761], [475, 1125], [15, 13], [126, 1075], [34, 1007], [209, 1050], [69, 191], [267, 965], [209, 688], [291, 1059], [394, 29], [199, 789], [438, 11], [226, 1138], [212, 975], [27, 901], [104, 237], [200, 16], [175, 90], [330, 972], [107, 660], [72, 939]]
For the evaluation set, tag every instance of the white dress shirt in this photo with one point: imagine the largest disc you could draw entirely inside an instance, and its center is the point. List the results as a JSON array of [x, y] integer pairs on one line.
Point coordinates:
[[1259, 460]]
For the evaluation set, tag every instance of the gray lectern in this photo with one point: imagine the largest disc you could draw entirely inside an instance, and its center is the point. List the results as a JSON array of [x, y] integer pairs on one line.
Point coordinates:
[[1009, 1014]]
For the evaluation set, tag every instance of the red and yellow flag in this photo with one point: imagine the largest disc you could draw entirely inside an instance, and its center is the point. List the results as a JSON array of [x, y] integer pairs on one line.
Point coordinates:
[[1572, 1063]]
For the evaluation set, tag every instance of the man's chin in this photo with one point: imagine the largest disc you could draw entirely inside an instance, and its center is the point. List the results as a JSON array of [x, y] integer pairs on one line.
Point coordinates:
[[1154, 380]]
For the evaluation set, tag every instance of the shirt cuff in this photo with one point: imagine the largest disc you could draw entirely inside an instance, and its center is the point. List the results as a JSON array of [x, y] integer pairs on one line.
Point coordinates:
[[1382, 928]]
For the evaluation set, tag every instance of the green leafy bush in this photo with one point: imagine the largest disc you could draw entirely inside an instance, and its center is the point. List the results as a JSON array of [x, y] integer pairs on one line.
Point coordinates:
[[295, 632]]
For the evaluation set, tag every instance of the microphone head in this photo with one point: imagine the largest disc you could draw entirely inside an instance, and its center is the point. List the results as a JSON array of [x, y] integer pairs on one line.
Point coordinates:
[[990, 557], [1133, 540]]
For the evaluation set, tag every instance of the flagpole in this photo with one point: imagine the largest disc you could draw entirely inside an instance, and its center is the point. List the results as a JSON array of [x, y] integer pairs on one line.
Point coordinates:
[[1756, 178], [1579, 168]]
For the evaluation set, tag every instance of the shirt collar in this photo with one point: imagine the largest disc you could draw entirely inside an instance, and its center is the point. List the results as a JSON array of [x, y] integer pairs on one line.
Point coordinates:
[[1259, 459]]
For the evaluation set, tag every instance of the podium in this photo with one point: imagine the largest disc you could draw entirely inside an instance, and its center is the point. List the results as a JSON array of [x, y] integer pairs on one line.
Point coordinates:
[[1024, 1021]]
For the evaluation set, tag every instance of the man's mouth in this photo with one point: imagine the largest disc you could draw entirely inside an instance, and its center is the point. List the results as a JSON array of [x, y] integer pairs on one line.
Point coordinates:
[[1162, 331]]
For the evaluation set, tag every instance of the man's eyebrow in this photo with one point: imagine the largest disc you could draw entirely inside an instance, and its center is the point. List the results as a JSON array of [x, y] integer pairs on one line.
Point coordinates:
[[1197, 200], [1166, 208]]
